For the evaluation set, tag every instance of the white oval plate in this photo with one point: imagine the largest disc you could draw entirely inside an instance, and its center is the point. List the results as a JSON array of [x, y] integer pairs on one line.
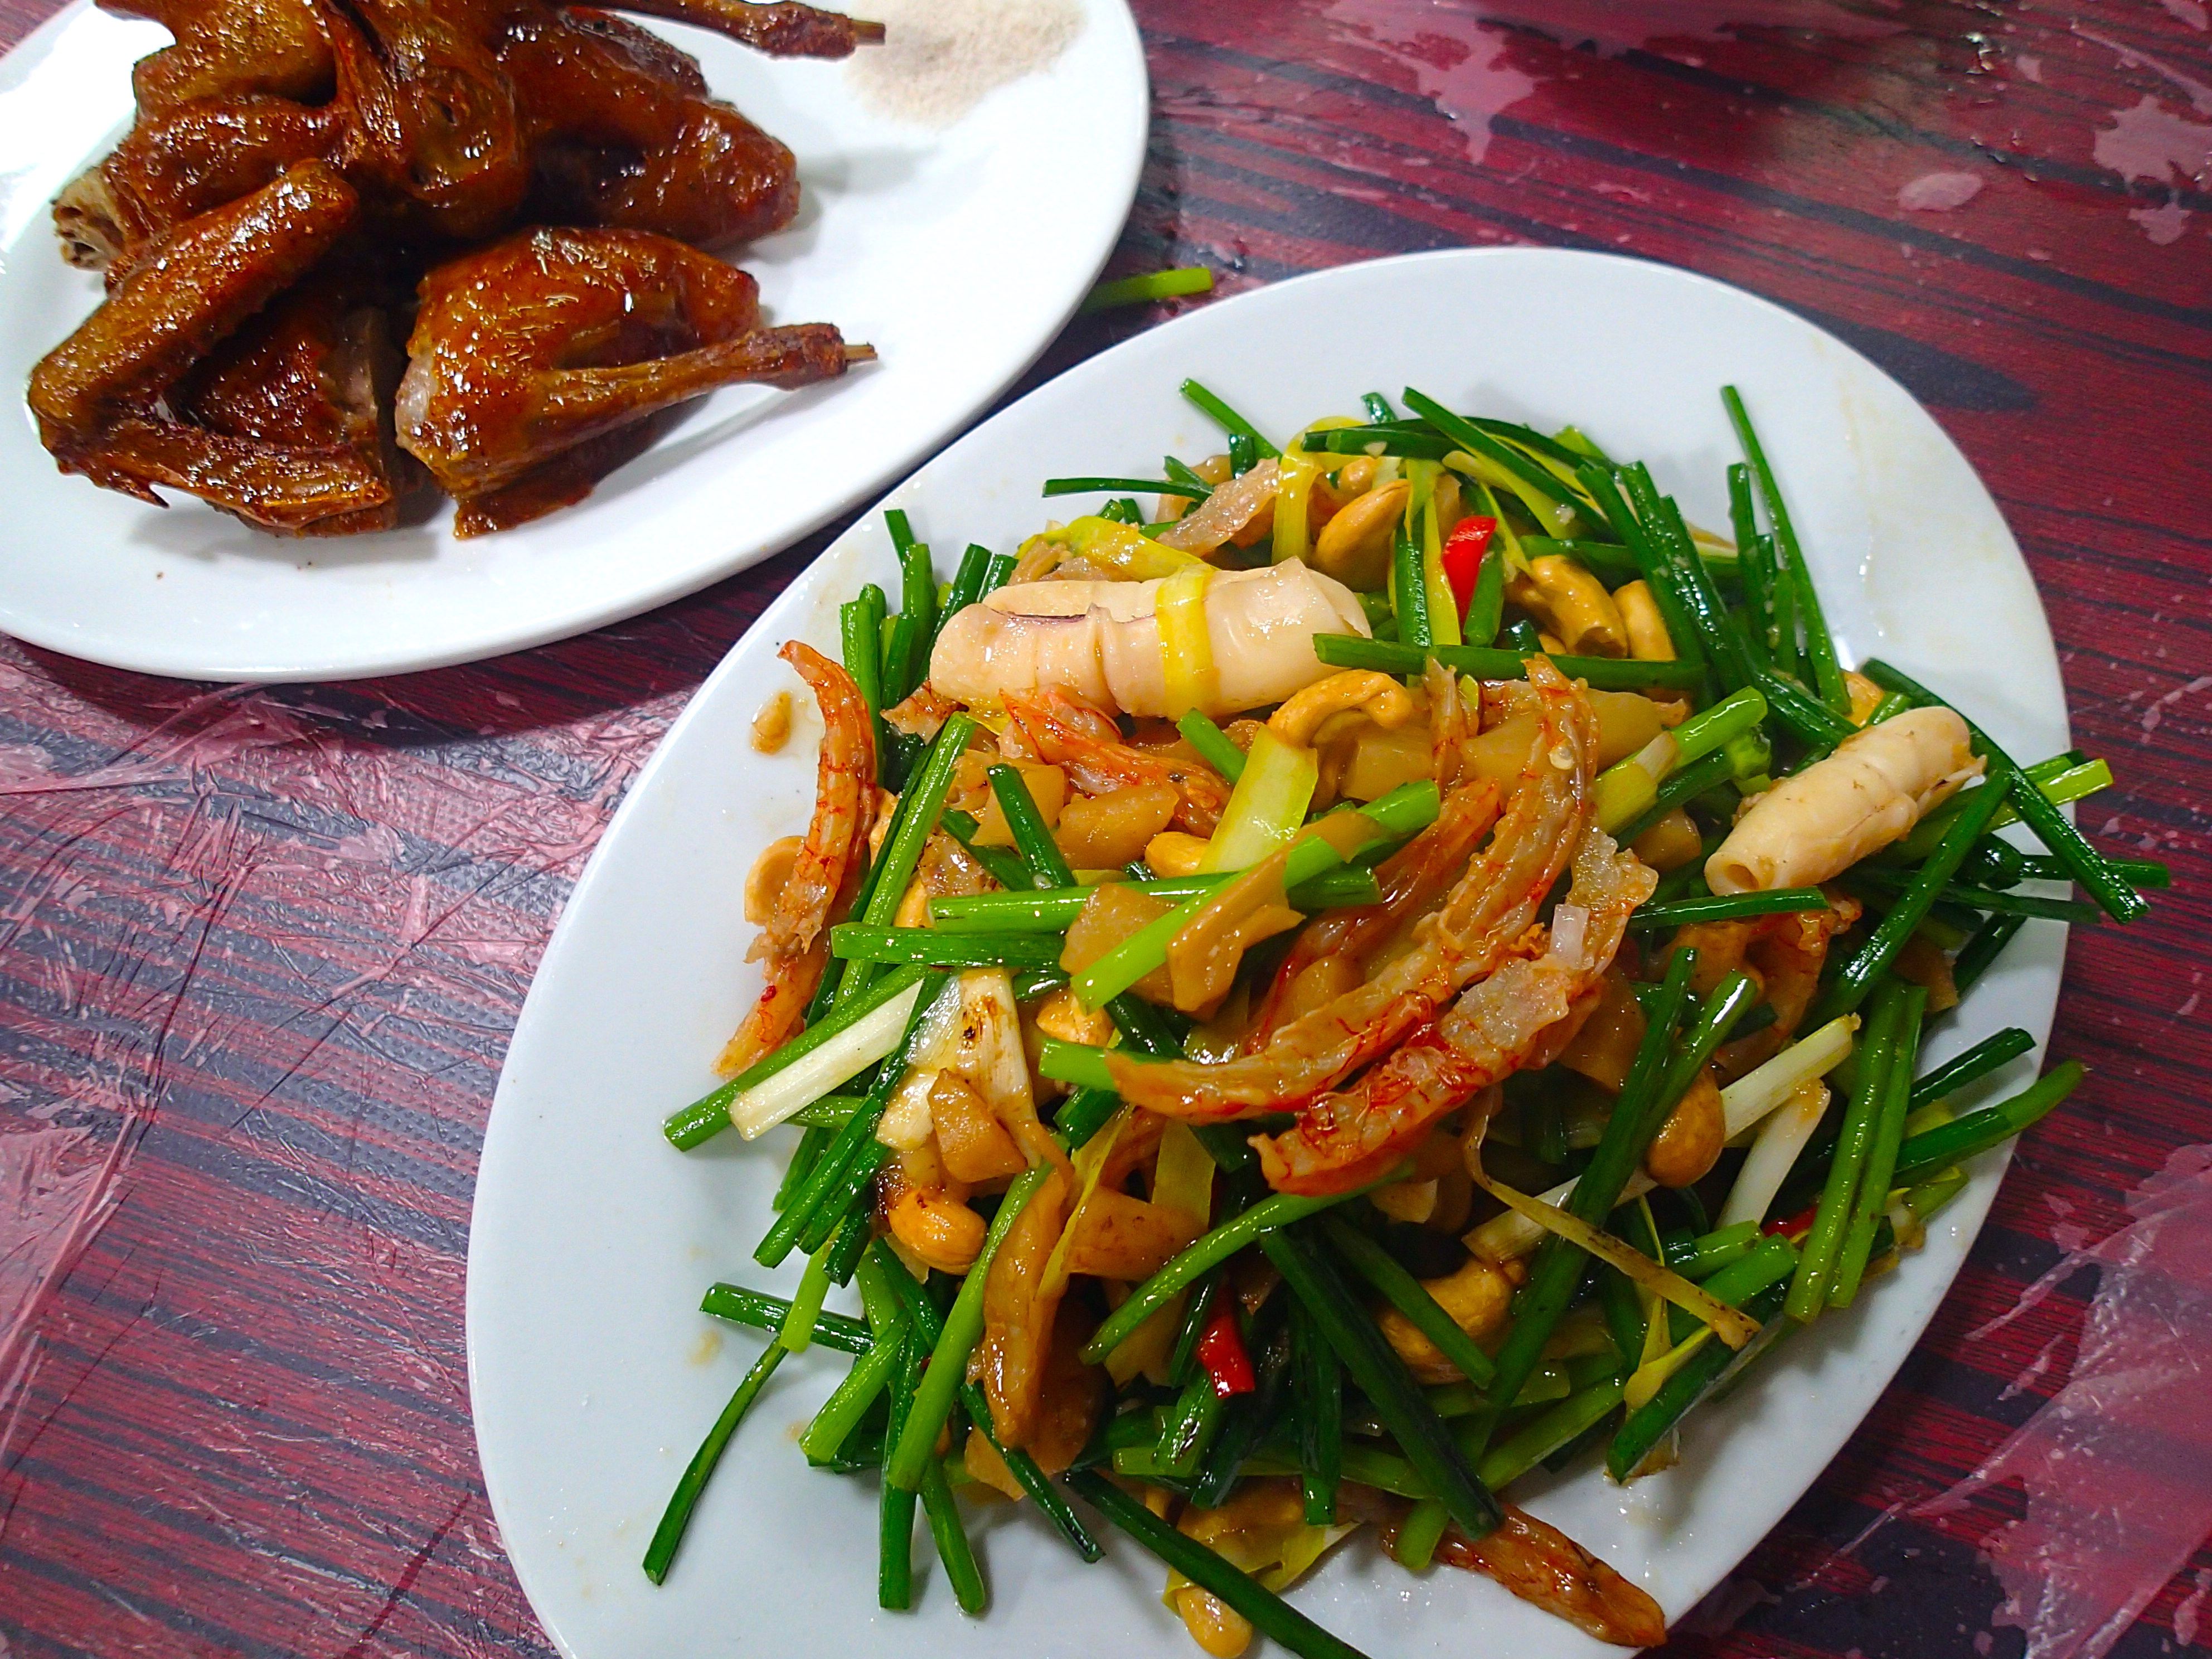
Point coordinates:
[[957, 254], [592, 1374]]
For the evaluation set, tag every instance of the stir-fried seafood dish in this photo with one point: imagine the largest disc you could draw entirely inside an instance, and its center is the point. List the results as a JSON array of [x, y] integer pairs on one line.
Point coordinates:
[[1399, 967], [354, 246]]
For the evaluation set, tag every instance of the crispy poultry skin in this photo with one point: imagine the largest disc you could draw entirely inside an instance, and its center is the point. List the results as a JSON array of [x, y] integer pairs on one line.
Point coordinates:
[[553, 339], [309, 380], [298, 165], [185, 161], [227, 48], [624, 133], [168, 312], [182, 379]]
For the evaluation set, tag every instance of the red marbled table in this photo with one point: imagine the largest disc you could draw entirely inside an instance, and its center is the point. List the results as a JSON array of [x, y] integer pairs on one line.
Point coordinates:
[[261, 950]]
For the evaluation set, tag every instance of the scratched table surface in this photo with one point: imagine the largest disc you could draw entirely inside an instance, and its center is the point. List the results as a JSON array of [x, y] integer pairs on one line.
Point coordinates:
[[261, 951]]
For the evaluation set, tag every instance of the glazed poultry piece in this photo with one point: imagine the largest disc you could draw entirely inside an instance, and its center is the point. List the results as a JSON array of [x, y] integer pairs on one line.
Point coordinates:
[[301, 168], [299, 449], [551, 348]]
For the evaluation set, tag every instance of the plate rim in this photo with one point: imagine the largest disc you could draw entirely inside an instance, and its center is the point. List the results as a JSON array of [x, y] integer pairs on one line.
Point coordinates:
[[1970, 1210], [175, 661]]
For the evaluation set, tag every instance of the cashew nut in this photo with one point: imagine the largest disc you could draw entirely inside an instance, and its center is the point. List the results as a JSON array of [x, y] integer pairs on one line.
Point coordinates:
[[1689, 1143], [1573, 604], [1382, 698], [773, 724], [1172, 852], [1648, 639], [1354, 546], [1476, 1295], [1866, 695], [943, 1232], [767, 877], [1670, 843]]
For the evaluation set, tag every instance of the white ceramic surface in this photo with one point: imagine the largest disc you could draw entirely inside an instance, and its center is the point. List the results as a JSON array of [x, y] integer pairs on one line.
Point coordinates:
[[593, 1376], [957, 254]]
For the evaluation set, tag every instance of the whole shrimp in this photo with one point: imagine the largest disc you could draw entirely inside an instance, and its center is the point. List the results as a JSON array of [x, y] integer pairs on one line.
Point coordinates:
[[1517, 1018], [827, 871], [1537, 1563], [1412, 879], [1488, 909], [1089, 745]]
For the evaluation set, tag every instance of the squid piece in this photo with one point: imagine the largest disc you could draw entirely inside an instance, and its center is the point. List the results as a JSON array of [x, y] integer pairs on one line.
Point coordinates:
[[973, 1031], [1100, 641], [555, 339], [1480, 921], [1229, 514], [825, 873], [1014, 1356], [1537, 1563], [1878, 784]]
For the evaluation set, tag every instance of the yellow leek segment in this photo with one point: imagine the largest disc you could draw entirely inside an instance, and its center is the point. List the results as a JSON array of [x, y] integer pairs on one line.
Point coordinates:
[[1294, 479], [1185, 648], [1517, 556], [1655, 1334], [1268, 807], [1183, 1178], [1558, 517], [1294, 482], [1576, 495], [1148, 1348], [1089, 1161], [1653, 1373], [1732, 1328], [1443, 604], [1125, 551]]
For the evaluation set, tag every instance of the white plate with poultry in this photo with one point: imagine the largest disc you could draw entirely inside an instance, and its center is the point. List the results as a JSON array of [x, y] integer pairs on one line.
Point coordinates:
[[592, 1371], [955, 252]]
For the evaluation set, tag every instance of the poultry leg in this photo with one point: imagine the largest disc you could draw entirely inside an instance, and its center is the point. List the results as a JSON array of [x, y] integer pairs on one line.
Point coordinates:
[[783, 30], [555, 339]]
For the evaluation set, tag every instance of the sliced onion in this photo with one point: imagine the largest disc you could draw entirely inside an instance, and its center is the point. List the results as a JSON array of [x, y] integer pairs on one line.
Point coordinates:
[[812, 1076], [1781, 1138], [1744, 1103]]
